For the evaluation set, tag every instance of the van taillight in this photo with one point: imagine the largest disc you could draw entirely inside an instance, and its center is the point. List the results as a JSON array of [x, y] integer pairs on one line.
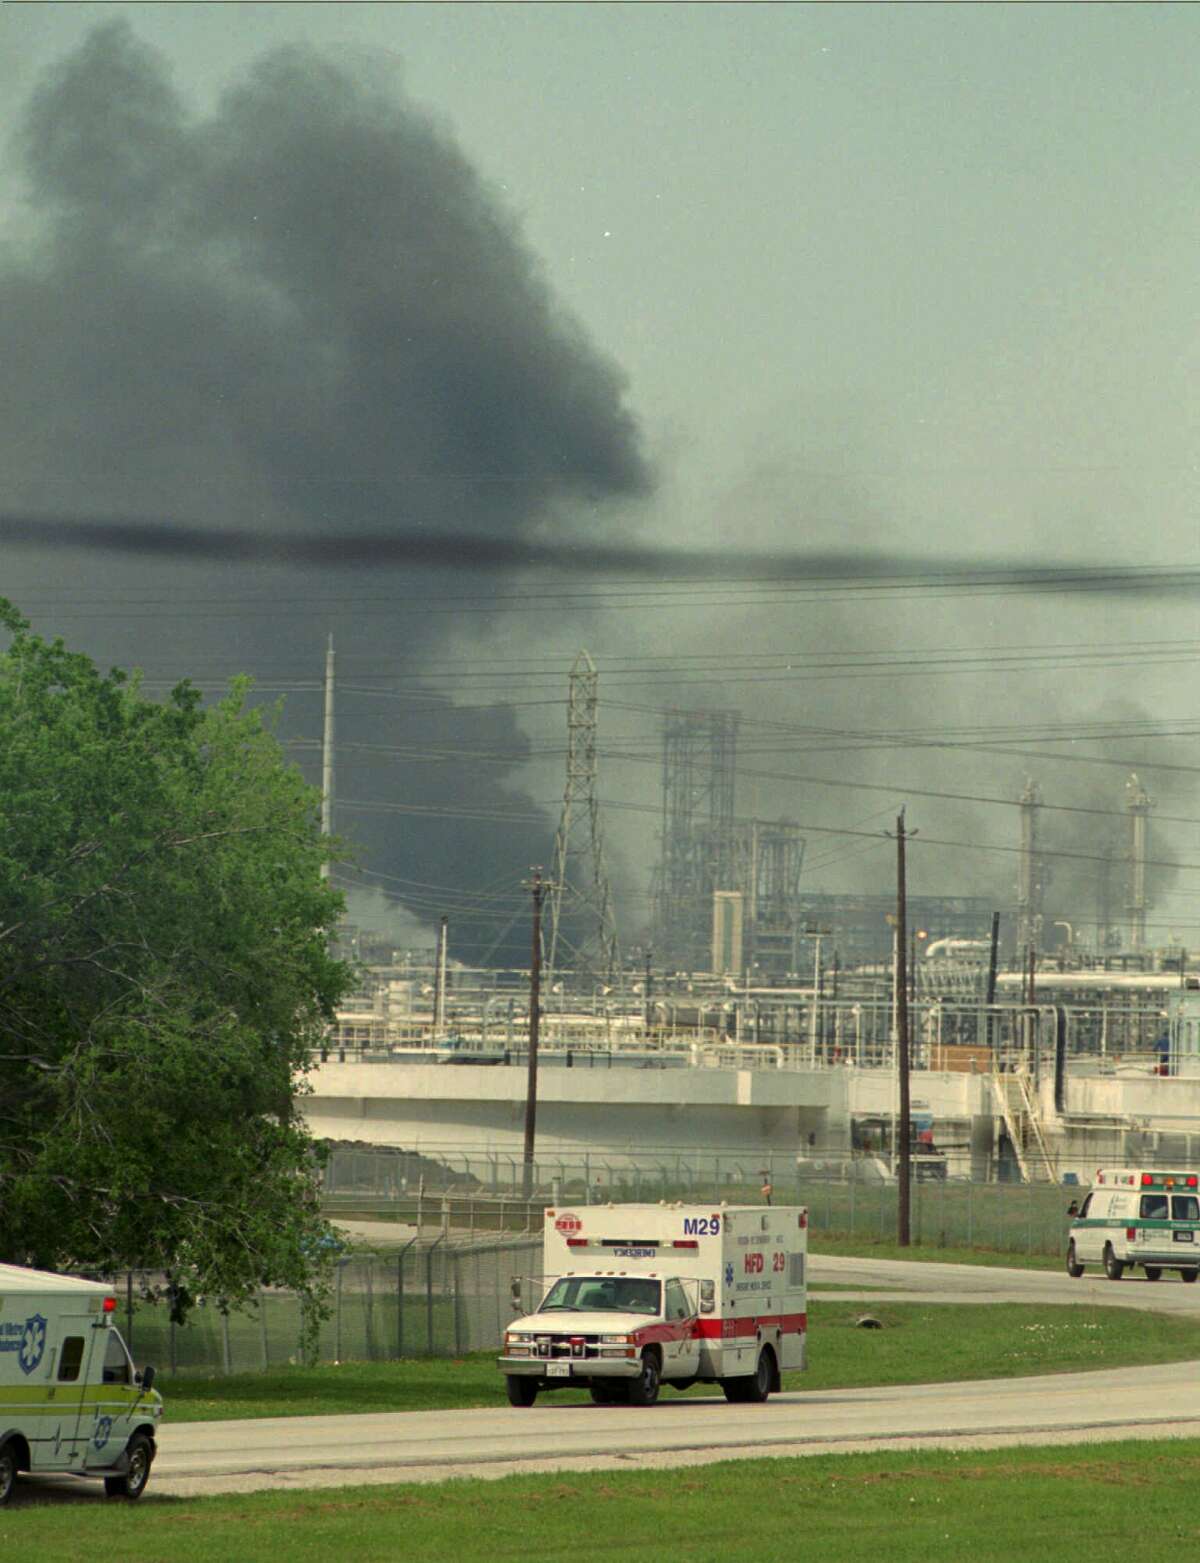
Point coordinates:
[[1131, 1233]]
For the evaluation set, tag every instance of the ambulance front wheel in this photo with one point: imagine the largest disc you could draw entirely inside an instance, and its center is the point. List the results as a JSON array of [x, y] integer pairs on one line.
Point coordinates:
[[1114, 1268], [133, 1484], [9, 1460], [1188, 1275], [643, 1390], [1074, 1268], [521, 1391]]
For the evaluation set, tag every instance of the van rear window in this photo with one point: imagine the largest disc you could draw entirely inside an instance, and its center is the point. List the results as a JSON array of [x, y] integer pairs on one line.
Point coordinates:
[[1154, 1207], [1185, 1207], [72, 1356]]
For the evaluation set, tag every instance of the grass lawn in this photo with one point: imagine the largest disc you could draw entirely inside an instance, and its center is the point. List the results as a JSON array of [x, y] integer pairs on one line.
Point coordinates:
[[920, 1343], [847, 1245], [1133, 1499]]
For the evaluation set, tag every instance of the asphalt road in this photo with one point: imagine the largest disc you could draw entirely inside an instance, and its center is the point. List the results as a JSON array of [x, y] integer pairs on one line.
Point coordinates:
[[911, 1280], [429, 1446]]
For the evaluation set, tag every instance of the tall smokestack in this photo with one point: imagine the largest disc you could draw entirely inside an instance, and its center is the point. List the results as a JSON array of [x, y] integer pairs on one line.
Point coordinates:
[[1137, 802], [327, 755], [1029, 876]]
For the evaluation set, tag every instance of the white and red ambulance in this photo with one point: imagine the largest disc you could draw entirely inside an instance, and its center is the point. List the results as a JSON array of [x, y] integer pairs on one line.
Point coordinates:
[[636, 1296]]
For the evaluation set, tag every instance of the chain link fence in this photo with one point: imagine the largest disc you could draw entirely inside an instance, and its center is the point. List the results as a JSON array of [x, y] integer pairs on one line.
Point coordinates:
[[429, 1298], [446, 1288], [854, 1196]]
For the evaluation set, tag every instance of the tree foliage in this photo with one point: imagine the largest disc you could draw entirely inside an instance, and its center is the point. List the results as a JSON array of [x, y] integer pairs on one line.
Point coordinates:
[[165, 971]]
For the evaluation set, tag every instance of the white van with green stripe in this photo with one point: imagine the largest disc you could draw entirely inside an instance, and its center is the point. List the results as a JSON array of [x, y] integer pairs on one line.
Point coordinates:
[[71, 1400], [1135, 1218]]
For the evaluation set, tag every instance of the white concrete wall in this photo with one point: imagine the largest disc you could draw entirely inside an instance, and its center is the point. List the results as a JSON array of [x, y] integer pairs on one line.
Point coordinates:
[[477, 1106]]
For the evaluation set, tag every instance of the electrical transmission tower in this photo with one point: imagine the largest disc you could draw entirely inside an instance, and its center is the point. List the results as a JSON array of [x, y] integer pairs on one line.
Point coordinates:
[[698, 832], [583, 934]]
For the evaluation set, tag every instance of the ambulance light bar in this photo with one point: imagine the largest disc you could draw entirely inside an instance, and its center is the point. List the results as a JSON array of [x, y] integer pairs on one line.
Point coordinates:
[[630, 1242], [110, 1305]]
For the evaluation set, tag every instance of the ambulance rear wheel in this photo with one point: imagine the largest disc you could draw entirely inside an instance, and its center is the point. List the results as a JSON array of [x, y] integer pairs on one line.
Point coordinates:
[[1074, 1268], [8, 1471], [1152, 1272], [1114, 1268], [1188, 1275], [759, 1387], [643, 1390], [133, 1484], [521, 1391]]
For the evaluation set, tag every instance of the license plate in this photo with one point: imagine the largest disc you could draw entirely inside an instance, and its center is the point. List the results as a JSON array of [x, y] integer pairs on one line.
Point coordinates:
[[558, 1370], [1183, 1237]]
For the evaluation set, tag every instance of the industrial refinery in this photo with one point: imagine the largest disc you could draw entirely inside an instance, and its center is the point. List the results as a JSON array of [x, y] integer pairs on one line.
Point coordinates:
[[753, 1014]]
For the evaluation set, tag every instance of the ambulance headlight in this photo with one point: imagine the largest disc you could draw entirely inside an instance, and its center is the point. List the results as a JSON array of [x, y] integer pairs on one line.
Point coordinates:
[[517, 1338], [616, 1340]]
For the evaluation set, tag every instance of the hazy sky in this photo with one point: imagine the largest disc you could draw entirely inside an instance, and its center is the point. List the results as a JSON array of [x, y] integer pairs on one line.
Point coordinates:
[[916, 278]]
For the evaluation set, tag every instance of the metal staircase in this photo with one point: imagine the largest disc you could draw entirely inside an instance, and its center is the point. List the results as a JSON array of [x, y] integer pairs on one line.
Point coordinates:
[[1017, 1100]]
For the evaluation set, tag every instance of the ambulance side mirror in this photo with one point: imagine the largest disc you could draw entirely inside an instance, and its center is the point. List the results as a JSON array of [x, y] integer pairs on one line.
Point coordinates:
[[146, 1378], [515, 1293], [708, 1296]]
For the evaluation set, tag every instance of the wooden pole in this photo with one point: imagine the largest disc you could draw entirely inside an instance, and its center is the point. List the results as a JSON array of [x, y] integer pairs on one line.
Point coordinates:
[[903, 1129]]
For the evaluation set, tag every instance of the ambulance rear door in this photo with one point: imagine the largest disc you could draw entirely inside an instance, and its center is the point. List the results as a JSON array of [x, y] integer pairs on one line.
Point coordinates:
[[59, 1445]]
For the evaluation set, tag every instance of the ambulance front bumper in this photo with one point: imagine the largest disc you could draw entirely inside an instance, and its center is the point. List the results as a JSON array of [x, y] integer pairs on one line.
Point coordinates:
[[560, 1370]]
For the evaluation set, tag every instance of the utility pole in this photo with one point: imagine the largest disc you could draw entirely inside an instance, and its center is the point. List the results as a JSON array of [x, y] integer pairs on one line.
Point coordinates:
[[327, 755], [905, 1167], [989, 997], [537, 887]]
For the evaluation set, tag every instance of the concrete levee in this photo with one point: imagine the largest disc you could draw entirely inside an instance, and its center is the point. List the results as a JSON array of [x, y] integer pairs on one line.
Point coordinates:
[[419, 1105]]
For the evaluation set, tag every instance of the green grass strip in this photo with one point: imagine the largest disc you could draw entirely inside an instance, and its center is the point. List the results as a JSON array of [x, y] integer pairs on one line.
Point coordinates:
[[919, 1343], [1133, 1499]]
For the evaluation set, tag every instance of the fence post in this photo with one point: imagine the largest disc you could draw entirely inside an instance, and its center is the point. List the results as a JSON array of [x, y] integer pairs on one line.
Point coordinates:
[[400, 1258], [429, 1295], [337, 1313], [1029, 1223], [226, 1347], [853, 1181], [456, 1261], [262, 1328], [971, 1214], [370, 1310]]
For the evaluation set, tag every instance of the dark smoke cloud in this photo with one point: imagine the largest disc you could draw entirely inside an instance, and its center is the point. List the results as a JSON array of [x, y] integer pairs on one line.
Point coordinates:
[[305, 325], [168, 538], [314, 285]]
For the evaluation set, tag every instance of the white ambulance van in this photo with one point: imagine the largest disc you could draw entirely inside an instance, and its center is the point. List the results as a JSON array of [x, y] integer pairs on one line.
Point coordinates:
[[1133, 1217], [636, 1296], [70, 1398]]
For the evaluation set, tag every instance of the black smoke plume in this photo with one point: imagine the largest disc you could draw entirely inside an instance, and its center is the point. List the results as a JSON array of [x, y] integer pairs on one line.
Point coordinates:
[[306, 325]]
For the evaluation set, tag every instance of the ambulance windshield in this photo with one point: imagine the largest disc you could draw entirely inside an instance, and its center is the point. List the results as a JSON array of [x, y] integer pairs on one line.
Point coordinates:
[[604, 1293], [117, 1367]]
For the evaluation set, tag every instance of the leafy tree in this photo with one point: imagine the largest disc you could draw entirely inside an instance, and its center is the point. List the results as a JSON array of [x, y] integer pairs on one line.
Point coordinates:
[[165, 971]]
